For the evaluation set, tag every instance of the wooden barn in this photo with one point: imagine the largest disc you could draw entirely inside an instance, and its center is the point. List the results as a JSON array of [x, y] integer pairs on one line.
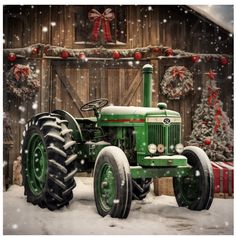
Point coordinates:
[[76, 59]]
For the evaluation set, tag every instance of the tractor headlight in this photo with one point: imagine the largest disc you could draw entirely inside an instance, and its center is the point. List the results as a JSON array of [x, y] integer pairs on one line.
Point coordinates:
[[152, 148], [179, 148], [160, 148]]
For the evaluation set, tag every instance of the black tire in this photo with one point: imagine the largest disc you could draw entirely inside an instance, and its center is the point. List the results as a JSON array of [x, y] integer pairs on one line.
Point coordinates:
[[141, 188], [48, 137], [196, 191], [117, 203]]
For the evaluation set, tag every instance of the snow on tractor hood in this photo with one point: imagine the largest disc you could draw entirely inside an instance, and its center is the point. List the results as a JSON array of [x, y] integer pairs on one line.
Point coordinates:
[[132, 112]]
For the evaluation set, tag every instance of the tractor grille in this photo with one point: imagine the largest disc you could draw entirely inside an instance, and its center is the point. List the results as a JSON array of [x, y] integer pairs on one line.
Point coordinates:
[[168, 135]]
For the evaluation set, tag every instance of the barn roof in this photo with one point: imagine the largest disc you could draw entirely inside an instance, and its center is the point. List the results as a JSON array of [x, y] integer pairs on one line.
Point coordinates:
[[222, 15]]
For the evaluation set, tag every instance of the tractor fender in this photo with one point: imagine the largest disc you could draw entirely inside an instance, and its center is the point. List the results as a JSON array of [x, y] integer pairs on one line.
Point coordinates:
[[72, 124]]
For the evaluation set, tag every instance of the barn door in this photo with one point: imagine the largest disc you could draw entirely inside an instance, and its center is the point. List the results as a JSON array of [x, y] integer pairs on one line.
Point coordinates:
[[74, 84]]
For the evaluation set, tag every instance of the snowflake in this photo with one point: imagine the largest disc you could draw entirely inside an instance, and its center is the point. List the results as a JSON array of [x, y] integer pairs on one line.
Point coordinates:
[[21, 108], [14, 226], [150, 8], [22, 121], [116, 201], [35, 105], [53, 23], [44, 29], [82, 162]]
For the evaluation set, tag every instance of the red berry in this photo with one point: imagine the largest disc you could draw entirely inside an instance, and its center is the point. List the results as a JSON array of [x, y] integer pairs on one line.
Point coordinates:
[[137, 55], [195, 59], [35, 50], [156, 50], [65, 54], [11, 57], [82, 56], [116, 55], [207, 141], [169, 52], [223, 60]]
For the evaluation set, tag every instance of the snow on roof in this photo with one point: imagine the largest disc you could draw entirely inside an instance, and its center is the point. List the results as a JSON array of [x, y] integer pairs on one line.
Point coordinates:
[[221, 15]]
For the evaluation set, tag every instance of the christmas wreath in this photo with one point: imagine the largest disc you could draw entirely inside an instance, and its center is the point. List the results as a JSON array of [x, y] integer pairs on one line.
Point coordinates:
[[22, 82], [177, 82]]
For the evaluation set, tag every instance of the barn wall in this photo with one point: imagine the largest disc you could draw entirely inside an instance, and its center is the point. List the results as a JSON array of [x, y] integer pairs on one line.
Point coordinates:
[[171, 26]]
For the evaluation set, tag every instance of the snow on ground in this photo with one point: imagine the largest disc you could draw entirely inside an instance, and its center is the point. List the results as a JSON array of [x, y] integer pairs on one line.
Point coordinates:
[[155, 215]]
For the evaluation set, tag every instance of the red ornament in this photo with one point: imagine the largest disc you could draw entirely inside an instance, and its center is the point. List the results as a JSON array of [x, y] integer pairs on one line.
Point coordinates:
[[195, 58], [156, 50], [137, 55], [116, 55], [11, 57], [35, 50], [169, 52], [207, 141], [223, 60], [82, 56], [65, 54]]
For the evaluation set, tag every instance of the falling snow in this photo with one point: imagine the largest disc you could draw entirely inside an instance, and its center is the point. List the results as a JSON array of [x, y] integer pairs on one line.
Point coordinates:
[[22, 121], [21, 108], [35, 105]]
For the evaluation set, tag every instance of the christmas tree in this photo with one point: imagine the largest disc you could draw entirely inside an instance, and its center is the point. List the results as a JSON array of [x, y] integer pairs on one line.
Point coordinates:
[[211, 126]]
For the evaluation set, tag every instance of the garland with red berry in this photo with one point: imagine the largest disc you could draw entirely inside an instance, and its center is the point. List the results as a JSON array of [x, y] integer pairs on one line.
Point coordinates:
[[150, 52], [177, 82], [22, 82]]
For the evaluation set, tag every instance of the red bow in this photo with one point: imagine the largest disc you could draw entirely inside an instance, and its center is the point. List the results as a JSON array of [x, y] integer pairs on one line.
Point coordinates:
[[180, 72], [20, 71], [97, 18]]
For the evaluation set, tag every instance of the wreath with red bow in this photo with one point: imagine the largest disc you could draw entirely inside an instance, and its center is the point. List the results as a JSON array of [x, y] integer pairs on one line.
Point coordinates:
[[177, 82], [22, 82]]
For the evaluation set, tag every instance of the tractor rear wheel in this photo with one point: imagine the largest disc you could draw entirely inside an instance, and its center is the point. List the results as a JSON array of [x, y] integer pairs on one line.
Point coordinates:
[[112, 183], [48, 161], [141, 188], [195, 191]]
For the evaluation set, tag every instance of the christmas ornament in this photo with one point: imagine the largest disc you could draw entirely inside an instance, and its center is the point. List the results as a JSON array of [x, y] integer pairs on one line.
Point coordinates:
[[177, 82], [11, 57], [169, 52], [211, 75], [207, 141], [137, 55], [103, 20], [195, 59], [82, 56], [116, 55], [223, 60], [65, 54], [156, 50], [22, 82], [35, 51]]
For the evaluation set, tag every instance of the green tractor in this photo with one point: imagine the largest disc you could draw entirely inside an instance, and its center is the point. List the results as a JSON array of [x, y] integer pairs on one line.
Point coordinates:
[[125, 147]]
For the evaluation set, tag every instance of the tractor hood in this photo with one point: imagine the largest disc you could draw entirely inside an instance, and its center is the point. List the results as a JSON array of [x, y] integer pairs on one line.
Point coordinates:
[[131, 114]]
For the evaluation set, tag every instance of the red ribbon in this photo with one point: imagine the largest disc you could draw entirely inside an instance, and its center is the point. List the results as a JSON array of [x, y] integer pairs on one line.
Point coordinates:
[[99, 19], [180, 72], [20, 71], [218, 113], [212, 96]]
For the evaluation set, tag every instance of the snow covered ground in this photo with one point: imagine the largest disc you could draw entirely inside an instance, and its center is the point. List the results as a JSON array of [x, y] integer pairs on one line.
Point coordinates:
[[155, 215]]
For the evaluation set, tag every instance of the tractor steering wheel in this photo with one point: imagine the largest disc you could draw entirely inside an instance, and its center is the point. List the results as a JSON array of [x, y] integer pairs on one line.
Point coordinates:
[[94, 105]]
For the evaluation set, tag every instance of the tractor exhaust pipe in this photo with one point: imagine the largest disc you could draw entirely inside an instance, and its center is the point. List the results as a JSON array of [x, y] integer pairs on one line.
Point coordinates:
[[147, 85]]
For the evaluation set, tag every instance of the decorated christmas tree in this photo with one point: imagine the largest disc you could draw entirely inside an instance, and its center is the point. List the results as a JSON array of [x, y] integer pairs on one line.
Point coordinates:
[[211, 126]]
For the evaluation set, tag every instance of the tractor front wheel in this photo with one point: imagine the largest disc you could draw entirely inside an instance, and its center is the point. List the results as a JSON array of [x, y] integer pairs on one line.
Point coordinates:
[[112, 183], [195, 191]]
